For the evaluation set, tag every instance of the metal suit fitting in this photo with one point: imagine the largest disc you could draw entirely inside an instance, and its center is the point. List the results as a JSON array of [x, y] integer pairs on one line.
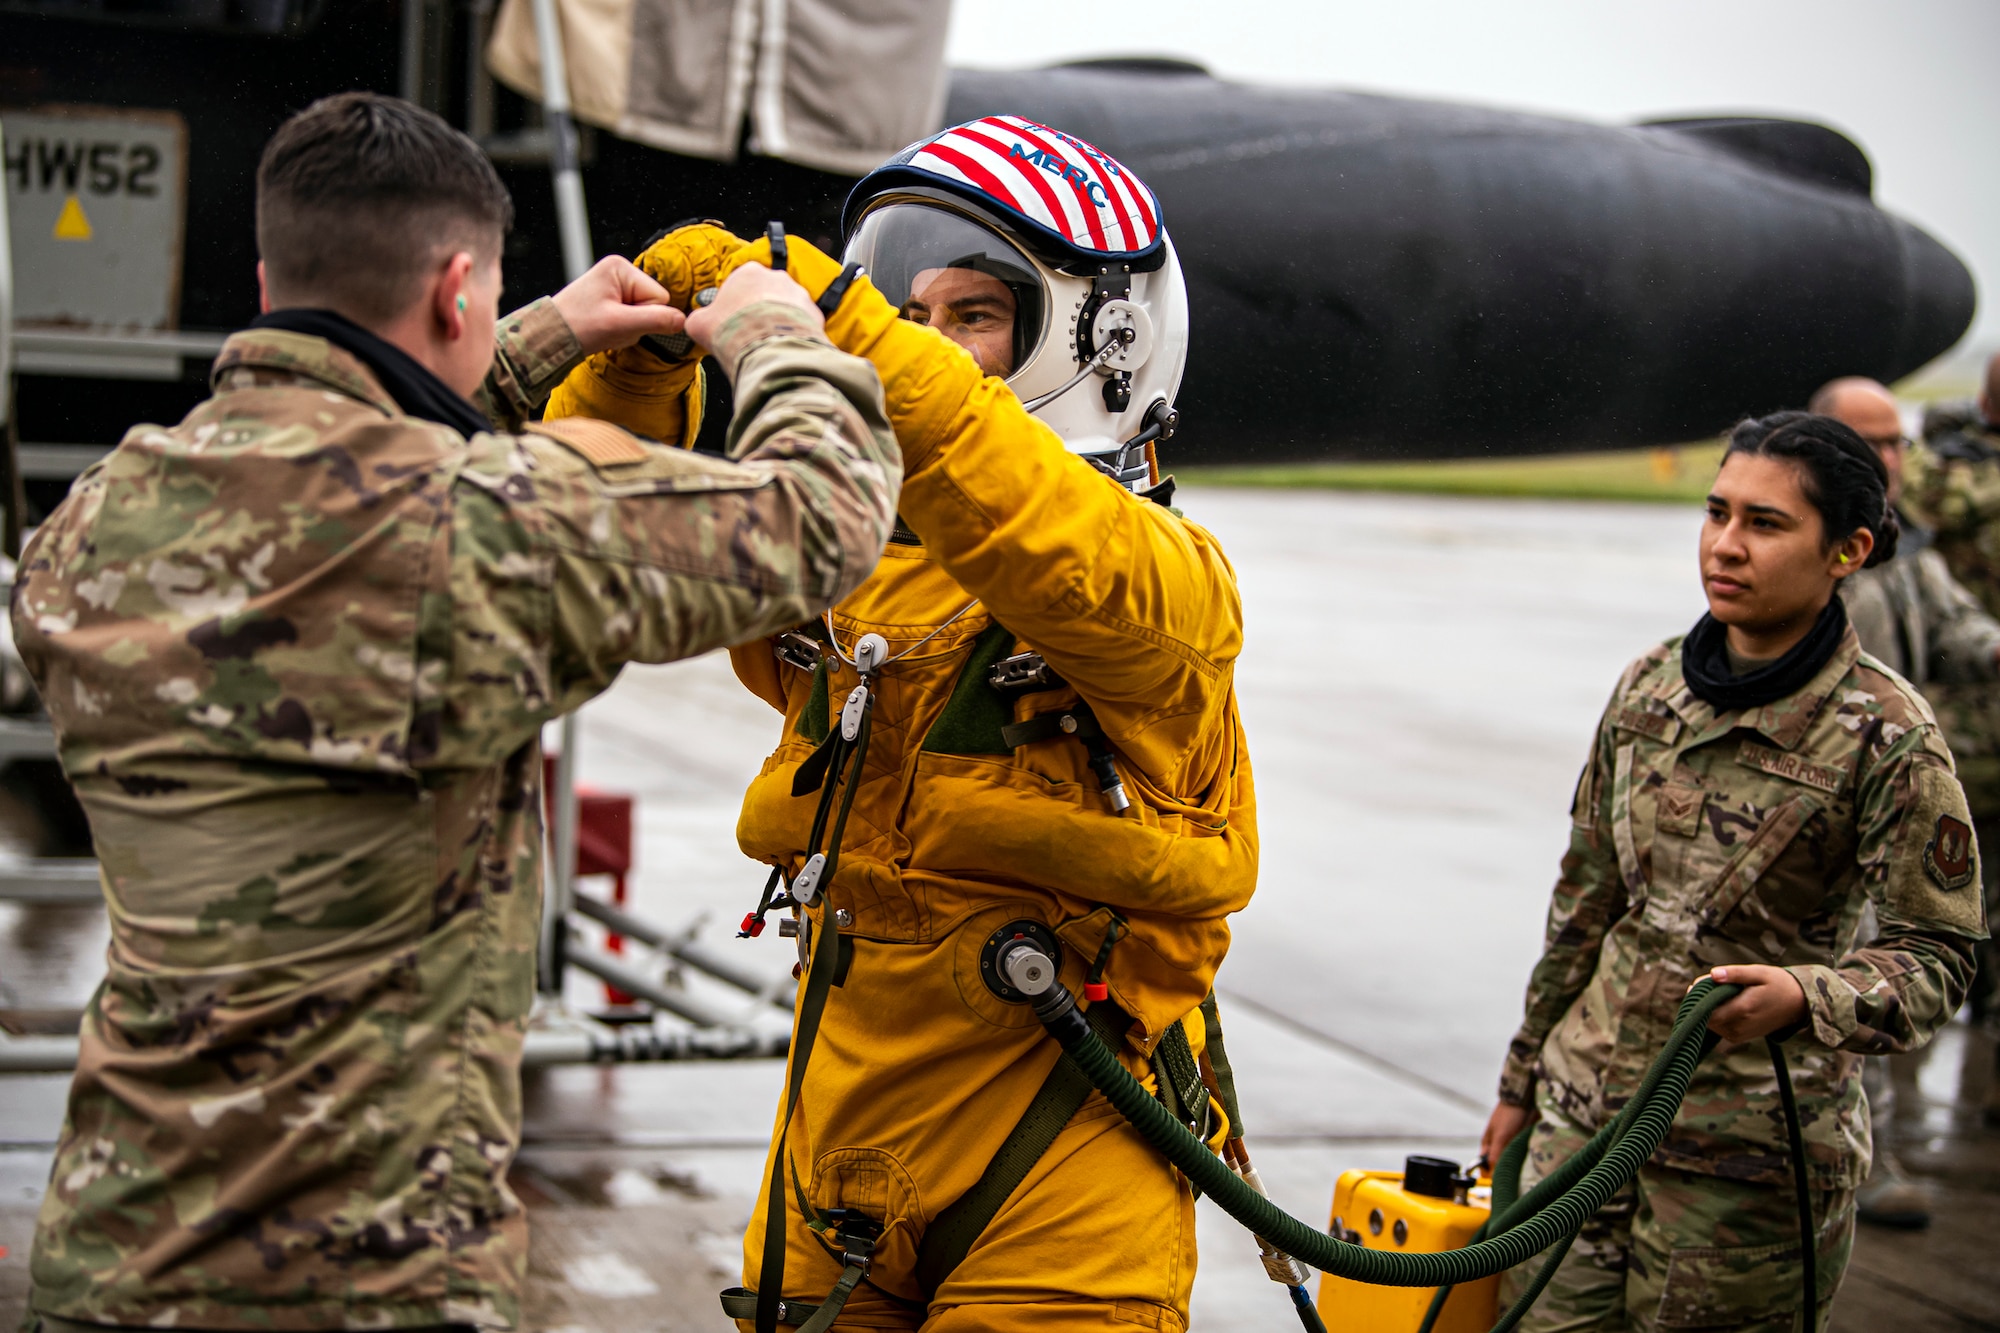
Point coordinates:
[[851, 711], [805, 888], [870, 653], [1027, 969], [1020, 960]]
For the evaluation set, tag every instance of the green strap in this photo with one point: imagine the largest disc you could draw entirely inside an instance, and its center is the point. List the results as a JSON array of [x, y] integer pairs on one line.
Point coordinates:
[[1179, 1077], [836, 1300], [948, 1239], [1218, 1060], [741, 1303], [819, 981], [812, 1004], [1076, 720]]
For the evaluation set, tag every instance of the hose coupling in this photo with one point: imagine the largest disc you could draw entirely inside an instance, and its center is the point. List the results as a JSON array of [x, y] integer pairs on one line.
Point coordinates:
[[1027, 969], [1033, 973], [1278, 1266]]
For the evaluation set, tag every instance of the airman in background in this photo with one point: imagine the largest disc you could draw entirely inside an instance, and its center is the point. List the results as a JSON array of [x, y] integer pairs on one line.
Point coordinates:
[[298, 651], [1951, 485], [1914, 617]]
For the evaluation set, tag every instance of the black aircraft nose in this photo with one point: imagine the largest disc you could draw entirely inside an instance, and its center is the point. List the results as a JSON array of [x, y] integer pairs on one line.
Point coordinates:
[[1939, 299]]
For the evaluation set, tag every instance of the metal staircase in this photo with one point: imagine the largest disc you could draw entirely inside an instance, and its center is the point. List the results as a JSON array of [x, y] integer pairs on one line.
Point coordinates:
[[665, 1021]]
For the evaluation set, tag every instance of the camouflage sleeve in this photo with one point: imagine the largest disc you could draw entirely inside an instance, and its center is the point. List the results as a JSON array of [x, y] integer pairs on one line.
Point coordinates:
[[1953, 497], [581, 548], [1920, 868], [1589, 897], [533, 349], [1964, 639]]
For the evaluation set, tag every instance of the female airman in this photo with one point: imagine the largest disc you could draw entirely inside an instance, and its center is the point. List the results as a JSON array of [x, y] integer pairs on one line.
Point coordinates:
[[1753, 786]]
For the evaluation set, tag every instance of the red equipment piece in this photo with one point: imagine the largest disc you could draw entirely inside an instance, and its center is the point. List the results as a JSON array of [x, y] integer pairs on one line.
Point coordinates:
[[603, 846]]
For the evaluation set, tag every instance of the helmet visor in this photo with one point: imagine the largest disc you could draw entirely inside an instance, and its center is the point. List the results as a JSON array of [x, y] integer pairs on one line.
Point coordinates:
[[961, 278]]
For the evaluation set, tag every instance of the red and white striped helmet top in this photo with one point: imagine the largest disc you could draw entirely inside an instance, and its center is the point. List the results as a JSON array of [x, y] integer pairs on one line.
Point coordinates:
[[1052, 179]]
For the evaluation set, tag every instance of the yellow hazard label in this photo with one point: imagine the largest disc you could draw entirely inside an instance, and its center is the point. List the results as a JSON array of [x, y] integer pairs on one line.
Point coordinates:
[[71, 223]]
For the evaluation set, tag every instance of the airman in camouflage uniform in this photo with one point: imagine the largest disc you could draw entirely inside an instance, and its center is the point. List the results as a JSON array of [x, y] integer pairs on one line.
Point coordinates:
[[1753, 836], [298, 651], [1921, 623], [1924, 625], [1951, 485]]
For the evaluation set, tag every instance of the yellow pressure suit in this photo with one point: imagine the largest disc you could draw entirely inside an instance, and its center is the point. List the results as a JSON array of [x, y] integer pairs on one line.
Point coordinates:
[[920, 1071]]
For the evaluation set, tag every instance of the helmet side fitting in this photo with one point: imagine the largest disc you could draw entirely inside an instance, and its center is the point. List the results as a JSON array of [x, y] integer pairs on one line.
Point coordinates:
[[1105, 365]]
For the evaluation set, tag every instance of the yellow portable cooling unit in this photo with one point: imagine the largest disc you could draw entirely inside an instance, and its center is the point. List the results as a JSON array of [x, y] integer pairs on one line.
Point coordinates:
[[1428, 1207]]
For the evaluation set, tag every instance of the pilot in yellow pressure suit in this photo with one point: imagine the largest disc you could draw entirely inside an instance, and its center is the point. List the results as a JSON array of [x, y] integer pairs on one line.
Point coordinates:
[[1051, 748]]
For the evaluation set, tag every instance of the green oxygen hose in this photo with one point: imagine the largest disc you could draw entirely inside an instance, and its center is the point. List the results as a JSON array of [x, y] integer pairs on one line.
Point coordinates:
[[1645, 1125], [1509, 1208], [1506, 1193]]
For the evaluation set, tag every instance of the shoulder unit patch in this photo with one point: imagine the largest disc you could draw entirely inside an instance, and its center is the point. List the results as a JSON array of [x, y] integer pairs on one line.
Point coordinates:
[[1948, 855]]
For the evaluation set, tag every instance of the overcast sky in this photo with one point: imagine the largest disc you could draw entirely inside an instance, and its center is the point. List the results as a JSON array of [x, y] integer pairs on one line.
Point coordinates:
[[1916, 83]]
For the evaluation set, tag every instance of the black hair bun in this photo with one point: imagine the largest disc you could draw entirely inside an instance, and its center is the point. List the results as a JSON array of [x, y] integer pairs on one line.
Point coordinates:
[[1886, 533], [1841, 474]]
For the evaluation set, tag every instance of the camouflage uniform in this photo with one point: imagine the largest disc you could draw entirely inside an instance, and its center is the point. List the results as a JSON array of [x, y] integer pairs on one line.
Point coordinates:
[[1951, 485], [1679, 1249], [1916, 619], [1755, 836], [298, 651]]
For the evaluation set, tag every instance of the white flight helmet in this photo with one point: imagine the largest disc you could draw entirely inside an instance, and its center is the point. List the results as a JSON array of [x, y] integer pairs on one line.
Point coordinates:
[[1100, 310]]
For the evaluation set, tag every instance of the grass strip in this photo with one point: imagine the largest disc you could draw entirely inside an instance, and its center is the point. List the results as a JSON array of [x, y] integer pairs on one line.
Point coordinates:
[[1677, 475]]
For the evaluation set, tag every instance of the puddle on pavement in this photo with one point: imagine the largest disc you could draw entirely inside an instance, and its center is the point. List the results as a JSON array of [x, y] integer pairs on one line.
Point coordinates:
[[600, 1185]]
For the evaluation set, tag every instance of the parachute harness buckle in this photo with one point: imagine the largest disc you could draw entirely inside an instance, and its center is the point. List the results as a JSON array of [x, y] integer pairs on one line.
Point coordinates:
[[856, 1234]]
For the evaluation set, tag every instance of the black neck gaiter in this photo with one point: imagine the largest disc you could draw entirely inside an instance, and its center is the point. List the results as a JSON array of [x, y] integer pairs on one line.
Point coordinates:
[[416, 390], [1705, 662]]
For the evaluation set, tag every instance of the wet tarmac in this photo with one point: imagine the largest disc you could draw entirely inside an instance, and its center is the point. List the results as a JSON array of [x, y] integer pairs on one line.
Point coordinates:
[[1419, 684]]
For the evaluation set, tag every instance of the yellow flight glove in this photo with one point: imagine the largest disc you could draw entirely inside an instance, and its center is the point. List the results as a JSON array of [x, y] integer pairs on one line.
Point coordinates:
[[654, 389], [688, 258], [926, 377]]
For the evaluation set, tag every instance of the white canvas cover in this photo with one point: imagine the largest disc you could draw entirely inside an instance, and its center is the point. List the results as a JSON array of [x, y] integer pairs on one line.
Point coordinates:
[[835, 84]]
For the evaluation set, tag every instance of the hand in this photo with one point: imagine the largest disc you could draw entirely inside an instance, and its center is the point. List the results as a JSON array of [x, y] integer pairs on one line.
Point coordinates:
[[1772, 998], [614, 305], [1506, 1121], [748, 286]]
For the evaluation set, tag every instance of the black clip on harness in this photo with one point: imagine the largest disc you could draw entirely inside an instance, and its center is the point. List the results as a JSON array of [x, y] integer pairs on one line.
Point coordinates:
[[1030, 673], [1550, 1214]]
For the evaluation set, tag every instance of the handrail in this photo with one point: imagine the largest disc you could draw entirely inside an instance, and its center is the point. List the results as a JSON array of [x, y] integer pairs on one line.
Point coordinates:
[[575, 1044], [116, 342], [686, 949]]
